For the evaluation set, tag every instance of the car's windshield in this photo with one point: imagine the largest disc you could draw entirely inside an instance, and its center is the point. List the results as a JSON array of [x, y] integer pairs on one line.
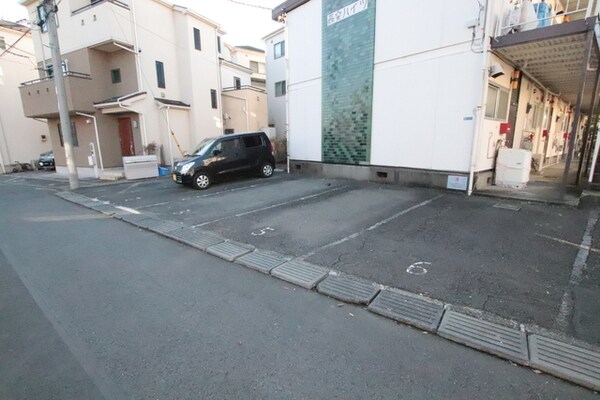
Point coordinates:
[[203, 147]]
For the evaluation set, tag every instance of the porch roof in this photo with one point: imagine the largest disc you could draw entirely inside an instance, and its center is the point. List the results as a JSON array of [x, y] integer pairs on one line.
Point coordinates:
[[554, 56]]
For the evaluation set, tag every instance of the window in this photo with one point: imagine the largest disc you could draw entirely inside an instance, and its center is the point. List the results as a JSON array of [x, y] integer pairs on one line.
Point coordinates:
[[252, 141], [197, 42], [229, 146], [497, 103], [280, 89], [2, 43], [73, 133], [254, 66], [219, 44], [279, 50], [160, 74], [213, 98], [237, 82], [115, 75]]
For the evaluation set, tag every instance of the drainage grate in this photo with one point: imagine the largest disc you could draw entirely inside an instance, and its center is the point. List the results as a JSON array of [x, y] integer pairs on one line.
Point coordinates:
[[199, 239], [149, 223], [566, 361], [229, 250], [165, 227], [349, 289], [261, 261], [408, 308], [300, 273], [485, 336], [103, 208]]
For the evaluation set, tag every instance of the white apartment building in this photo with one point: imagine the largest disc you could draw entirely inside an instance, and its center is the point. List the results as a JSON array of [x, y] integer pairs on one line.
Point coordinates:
[[137, 73], [21, 139], [276, 80], [382, 90]]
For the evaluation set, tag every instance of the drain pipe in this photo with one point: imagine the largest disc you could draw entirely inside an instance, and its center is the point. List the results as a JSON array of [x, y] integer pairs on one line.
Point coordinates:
[[478, 111], [594, 159]]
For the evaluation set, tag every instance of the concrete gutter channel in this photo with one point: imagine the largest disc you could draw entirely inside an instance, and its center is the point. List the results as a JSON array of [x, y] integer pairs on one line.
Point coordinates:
[[571, 360]]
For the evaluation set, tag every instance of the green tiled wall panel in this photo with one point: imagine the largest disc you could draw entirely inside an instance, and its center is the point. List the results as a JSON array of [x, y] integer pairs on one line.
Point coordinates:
[[347, 71]]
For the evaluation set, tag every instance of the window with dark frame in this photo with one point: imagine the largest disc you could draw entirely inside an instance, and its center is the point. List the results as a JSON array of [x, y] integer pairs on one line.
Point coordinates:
[[197, 41], [213, 99], [252, 141], [115, 75], [237, 82], [280, 89], [73, 133], [160, 74], [279, 49]]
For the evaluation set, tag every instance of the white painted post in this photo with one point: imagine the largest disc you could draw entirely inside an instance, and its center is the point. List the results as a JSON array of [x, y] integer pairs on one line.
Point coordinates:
[[594, 159]]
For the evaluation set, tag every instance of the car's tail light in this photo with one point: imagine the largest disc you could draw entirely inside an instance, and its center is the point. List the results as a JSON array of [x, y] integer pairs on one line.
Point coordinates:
[[271, 148]]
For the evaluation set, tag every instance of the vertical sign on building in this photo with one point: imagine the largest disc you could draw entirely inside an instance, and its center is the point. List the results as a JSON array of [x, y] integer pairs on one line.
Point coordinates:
[[348, 58]]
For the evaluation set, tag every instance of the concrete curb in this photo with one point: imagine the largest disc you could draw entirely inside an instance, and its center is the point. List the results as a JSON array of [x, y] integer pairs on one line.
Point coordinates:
[[477, 329]]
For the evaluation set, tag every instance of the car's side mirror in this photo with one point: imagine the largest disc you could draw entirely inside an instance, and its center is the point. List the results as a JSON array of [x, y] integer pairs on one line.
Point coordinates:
[[216, 152]]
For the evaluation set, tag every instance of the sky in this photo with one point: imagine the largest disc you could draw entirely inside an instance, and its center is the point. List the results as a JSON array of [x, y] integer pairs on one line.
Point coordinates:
[[245, 21]]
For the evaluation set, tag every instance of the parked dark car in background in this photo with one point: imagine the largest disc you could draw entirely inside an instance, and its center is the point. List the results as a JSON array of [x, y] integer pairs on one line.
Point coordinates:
[[46, 161], [226, 155]]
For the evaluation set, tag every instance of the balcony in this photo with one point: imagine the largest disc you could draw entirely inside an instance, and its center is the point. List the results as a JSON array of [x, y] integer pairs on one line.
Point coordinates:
[[552, 45], [95, 24], [39, 96]]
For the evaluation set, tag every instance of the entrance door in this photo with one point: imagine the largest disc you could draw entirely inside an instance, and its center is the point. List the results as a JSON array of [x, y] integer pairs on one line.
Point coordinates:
[[126, 137]]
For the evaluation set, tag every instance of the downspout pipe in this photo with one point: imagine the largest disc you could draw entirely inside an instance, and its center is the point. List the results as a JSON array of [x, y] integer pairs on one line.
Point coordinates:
[[478, 111], [93, 117]]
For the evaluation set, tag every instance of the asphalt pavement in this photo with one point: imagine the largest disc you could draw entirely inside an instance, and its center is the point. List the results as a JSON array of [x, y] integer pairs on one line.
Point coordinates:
[[95, 308], [512, 259]]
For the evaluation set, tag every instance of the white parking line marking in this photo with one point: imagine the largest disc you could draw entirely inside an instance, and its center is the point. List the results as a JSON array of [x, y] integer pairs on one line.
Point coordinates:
[[372, 227], [127, 209], [312, 196], [567, 305], [569, 243], [418, 268]]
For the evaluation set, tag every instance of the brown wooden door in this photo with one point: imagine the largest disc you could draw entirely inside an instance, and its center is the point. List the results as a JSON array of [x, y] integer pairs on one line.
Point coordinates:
[[126, 137]]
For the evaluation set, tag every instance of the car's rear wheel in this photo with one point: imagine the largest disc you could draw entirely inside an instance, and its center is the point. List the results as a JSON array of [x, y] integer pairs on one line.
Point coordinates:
[[201, 180], [266, 170]]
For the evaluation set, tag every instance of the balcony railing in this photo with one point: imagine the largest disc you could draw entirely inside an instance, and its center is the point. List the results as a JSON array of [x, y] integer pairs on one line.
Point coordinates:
[[521, 16], [94, 3], [48, 78]]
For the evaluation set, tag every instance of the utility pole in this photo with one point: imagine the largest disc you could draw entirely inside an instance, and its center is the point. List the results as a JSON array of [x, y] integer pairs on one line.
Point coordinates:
[[50, 9]]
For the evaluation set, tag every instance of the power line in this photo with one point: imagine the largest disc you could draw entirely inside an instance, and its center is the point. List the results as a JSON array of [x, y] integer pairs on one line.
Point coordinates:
[[249, 5]]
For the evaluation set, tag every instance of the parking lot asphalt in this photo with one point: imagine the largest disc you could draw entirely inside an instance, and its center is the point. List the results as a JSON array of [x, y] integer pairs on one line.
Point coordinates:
[[512, 259]]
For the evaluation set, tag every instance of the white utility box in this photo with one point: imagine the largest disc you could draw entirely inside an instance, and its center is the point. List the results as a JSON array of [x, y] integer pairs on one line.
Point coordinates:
[[513, 167], [138, 167]]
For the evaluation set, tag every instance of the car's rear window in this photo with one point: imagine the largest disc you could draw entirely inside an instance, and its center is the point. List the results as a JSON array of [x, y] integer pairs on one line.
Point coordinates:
[[252, 141]]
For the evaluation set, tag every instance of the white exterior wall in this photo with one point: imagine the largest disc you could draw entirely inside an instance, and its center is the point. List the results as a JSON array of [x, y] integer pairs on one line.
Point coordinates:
[[20, 137], [437, 77], [276, 72], [104, 23], [490, 138], [229, 72], [303, 52], [427, 84]]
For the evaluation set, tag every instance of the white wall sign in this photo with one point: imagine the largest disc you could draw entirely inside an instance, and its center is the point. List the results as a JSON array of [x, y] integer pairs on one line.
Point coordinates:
[[457, 182], [346, 12]]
